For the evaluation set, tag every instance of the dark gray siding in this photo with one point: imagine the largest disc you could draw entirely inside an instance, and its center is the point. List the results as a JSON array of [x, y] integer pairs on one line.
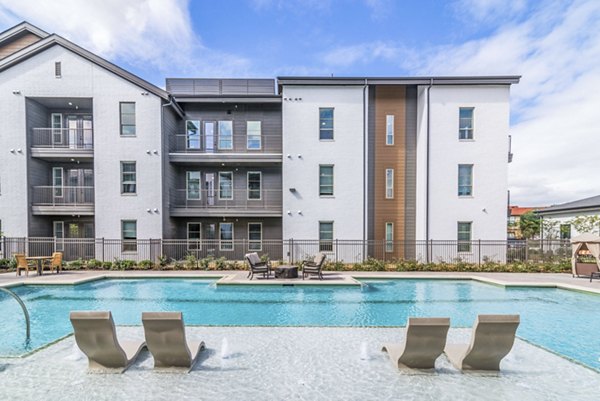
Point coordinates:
[[36, 115], [410, 171], [220, 87], [171, 123]]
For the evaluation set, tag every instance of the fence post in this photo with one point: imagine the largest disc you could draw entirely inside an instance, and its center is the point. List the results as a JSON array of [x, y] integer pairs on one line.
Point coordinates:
[[527, 249], [103, 250], [291, 250], [479, 252], [336, 250]]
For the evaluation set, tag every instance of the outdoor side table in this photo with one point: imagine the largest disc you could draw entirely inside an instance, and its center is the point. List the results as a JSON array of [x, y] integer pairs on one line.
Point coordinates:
[[286, 272]]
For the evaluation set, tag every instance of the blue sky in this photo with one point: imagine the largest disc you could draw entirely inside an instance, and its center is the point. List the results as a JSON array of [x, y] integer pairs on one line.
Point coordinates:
[[553, 44]]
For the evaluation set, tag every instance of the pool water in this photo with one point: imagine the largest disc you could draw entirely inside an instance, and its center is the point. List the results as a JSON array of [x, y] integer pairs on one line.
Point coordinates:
[[565, 322]]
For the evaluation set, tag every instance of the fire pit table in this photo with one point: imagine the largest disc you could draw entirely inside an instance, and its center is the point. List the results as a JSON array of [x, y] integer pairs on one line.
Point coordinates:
[[286, 272]]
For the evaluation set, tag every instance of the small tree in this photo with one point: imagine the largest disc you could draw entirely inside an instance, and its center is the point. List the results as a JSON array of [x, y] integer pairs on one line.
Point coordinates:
[[529, 224], [586, 224], [550, 229]]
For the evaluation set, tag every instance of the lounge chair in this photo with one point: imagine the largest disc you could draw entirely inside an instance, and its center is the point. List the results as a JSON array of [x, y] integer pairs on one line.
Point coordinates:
[[314, 266], [257, 265], [23, 264], [95, 335], [492, 339], [165, 336], [425, 341], [56, 262]]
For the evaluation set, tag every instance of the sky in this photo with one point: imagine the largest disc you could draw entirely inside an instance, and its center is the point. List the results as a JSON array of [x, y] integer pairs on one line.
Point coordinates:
[[554, 45]]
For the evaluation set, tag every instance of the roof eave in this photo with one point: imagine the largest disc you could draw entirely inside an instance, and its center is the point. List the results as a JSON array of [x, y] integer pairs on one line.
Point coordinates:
[[450, 80]]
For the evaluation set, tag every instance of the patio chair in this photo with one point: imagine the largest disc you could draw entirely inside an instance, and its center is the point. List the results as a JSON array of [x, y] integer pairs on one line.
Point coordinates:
[[425, 341], [257, 265], [95, 335], [314, 266], [165, 337], [56, 262], [492, 339], [23, 264]]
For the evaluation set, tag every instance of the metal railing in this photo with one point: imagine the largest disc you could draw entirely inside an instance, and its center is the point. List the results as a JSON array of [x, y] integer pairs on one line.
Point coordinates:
[[293, 250], [62, 196], [239, 199], [63, 138], [25, 312], [226, 144]]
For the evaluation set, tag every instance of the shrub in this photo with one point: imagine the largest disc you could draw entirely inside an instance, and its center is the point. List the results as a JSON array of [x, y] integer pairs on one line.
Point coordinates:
[[124, 264], [204, 263], [191, 261], [221, 263], [146, 264], [107, 265], [163, 260], [94, 264], [4, 263], [75, 264]]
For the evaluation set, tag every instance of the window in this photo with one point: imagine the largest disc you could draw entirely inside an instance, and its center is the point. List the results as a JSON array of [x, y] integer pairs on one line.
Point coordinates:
[[56, 124], [326, 124], [57, 69], [565, 231], [325, 180], [255, 236], [129, 235], [225, 185], [128, 178], [254, 185], [225, 134], [464, 236], [58, 228], [192, 135], [389, 130], [127, 118], [465, 123], [193, 235], [465, 179], [325, 236], [57, 181], [226, 236], [389, 183], [253, 135], [389, 237], [192, 184]]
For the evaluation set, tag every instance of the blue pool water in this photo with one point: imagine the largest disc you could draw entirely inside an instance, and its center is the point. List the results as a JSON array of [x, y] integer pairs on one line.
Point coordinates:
[[565, 322]]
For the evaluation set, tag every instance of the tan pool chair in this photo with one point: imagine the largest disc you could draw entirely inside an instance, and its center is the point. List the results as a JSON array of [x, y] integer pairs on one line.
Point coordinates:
[[23, 264], [425, 341], [165, 336], [492, 339], [56, 262], [96, 336]]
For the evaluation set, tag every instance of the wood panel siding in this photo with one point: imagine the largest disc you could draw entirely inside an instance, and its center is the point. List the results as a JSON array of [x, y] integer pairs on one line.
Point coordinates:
[[390, 100], [16, 44]]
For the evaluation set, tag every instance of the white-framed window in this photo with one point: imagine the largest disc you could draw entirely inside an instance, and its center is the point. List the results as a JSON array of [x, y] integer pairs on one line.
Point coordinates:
[[58, 228], [465, 123], [225, 141], [57, 182], [253, 135], [225, 185], [127, 118], [129, 235], [56, 122], [389, 129], [255, 236], [57, 69], [325, 236], [226, 236], [389, 183], [389, 237], [465, 180], [192, 134], [326, 180], [326, 123], [128, 178], [194, 236], [192, 185], [464, 236], [254, 179]]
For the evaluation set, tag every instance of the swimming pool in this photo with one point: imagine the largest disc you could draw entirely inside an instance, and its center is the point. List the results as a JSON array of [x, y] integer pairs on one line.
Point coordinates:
[[562, 321]]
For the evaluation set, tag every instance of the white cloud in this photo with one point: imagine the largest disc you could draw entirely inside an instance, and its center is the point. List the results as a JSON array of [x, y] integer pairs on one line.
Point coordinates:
[[145, 33], [483, 10], [362, 53]]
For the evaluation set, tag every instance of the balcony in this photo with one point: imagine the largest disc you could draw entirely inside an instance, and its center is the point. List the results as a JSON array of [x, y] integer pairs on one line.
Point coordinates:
[[56, 144], [239, 149], [49, 200], [186, 203]]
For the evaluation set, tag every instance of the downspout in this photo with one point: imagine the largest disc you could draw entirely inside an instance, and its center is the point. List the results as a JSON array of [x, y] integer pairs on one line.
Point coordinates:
[[175, 107], [365, 188], [428, 163]]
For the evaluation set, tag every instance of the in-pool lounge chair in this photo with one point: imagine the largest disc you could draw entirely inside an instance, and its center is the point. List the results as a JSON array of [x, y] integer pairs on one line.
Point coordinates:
[[257, 265], [314, 266], [492, 339], [165, 336], [96, 336], [425, 341]]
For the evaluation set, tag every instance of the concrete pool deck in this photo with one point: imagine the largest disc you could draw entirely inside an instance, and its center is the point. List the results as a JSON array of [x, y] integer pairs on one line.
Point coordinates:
[[544, 280]]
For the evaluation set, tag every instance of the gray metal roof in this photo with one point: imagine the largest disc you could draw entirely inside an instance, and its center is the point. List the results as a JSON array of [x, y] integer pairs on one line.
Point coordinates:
[[21, 28], [464, 80], [581, 204]]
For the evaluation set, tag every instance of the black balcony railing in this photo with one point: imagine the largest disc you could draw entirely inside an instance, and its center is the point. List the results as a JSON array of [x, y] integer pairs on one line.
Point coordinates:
[[226, 144], [62, 196], [236, 199], [63, 138]]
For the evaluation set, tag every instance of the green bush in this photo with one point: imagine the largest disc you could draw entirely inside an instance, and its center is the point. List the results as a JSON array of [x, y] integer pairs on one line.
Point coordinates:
[[204, 263], [124, 264], [191, 261], [146, 264], [94, 264], [75, 264], [4, 263], [163, 260], [107, 265]]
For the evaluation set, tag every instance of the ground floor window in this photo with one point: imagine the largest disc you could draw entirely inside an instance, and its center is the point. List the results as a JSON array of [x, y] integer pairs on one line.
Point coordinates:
[[193, 236], [255, 236], [226, 236], [58, 227], [326, 236], [464, 236], [389, 237], [129, 235]]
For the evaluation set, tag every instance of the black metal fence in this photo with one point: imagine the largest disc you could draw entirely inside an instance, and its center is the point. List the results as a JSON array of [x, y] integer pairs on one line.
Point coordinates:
[[291, 250]]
